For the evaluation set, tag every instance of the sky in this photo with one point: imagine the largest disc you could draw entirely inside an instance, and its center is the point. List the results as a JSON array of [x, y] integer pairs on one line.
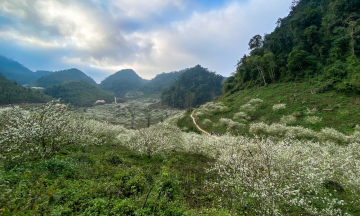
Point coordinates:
[[101, 37]]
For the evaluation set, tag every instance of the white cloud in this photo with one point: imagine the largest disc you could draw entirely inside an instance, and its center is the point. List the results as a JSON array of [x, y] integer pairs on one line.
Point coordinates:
[[113, 35]]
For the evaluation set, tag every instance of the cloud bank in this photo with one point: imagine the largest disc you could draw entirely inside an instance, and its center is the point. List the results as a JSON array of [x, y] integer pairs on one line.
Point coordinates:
[[101, 37]]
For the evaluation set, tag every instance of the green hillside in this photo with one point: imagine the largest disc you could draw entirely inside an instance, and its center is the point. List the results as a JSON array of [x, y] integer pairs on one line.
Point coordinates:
[[122, 82], [62, 76], [12, 93], [319, 40], [79, 93], [195, 86]]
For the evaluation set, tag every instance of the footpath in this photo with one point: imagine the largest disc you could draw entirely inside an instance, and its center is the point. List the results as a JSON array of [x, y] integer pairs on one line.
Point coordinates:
[[199, 128]]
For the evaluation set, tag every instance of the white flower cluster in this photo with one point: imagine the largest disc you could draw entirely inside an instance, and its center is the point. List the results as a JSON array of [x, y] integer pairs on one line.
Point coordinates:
[[313, 119], [41, 132], [230, 124], [287, 172], [248, 108], [210, 108], [289, 119], [277, 107], [299, 132], [311, 111], [242, 116], [207, 122], [157, 139], [255, 101]]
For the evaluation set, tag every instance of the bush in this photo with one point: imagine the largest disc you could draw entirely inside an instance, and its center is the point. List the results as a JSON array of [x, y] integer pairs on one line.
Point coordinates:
[[248, 108], [230, 124], [289, 119], [277, 107], [206, 122], [241, 116], [313, 119], [255, 101], [41, 132]]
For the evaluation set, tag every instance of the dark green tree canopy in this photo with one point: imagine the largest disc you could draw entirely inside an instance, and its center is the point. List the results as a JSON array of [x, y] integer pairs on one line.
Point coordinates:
[[318, 39], [195, 86]]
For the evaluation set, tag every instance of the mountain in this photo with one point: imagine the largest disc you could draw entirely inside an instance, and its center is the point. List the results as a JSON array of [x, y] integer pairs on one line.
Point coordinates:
[[318, 40], [78, 93], [13, 70], [12, 93], [41, 73], [121, 82], [62, 76], [160, 81], [193, 87]]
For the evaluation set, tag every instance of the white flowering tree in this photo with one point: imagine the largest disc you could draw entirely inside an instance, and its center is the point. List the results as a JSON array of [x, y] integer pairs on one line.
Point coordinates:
[[41, 132]]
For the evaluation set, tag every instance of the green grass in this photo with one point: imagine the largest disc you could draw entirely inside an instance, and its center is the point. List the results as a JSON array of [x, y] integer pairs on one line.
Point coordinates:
[[345, 115], [107, 180]]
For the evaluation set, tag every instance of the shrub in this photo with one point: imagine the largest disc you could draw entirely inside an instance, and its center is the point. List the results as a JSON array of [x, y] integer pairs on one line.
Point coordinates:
[[42, 132], [332, 135], [277, 107], [313, 119], [162, 138], [241, 116], [206, 122], [255, 101], [289, 119], [230, 124], [248, 108]]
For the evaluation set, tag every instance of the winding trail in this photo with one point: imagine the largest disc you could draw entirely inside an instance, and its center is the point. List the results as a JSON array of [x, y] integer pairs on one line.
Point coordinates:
[[200, 129]]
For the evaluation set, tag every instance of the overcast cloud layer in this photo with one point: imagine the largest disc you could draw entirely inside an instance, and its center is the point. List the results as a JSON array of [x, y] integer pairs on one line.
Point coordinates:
[[101, 37]]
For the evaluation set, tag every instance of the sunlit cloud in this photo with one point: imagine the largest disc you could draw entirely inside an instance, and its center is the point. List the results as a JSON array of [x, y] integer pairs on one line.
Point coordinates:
[[103, 36]]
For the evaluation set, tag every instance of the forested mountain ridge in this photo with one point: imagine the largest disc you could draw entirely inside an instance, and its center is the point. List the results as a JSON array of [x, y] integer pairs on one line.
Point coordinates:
[[62, 76], [195, 86], [12, 93], [318, 40], [14, 71], [121, 82], [161, 80], [78, 93]]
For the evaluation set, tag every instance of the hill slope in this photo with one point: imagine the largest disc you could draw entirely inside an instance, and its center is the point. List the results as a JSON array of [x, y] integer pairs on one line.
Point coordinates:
[[12, 93], [13, 70], [195, 86], [78, 93], [318, 40], [121, 82], [62, 76], [160, 81]]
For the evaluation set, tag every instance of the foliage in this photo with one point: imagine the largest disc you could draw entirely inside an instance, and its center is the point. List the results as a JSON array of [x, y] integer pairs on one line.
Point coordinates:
[[195, 86], [11, 92], [161, 81], [62, 76], [313, 119], [289, 119], [318, 39], [41, 132], [121, 82], [79, 93], [277, 107]]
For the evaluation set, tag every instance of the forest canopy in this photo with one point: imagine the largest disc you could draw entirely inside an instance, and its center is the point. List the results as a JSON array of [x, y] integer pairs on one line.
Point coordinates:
[[318, 40], [195, 86]]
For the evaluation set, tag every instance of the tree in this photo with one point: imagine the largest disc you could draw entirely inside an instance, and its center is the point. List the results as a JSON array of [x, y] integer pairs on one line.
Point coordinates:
[[255, 42]]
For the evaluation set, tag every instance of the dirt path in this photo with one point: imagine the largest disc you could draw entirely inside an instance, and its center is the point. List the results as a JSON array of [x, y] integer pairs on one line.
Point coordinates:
[[200, 129]]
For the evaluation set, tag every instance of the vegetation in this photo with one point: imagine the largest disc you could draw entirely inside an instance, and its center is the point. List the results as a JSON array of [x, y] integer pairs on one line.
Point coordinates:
[[13, 93], [163, 171], [161, 81], [318, 40], [195, 86], [62, 76], [15, 71], [121, 82], [79, 93], [137, 113]]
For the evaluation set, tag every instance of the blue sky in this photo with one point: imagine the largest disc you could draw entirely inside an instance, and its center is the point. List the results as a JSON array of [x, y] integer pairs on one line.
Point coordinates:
[[101, 37]]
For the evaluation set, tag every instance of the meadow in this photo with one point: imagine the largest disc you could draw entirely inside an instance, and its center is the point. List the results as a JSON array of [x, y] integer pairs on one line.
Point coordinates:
[[55, 161]]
